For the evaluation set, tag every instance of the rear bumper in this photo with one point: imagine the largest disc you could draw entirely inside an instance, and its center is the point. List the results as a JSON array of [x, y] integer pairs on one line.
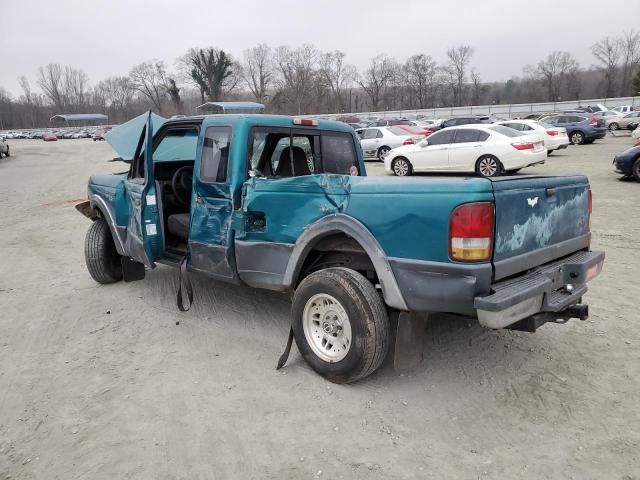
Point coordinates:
[[553, 289]]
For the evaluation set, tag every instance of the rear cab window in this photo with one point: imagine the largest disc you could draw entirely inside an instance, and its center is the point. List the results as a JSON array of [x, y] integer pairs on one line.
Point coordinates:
[[281, 152]]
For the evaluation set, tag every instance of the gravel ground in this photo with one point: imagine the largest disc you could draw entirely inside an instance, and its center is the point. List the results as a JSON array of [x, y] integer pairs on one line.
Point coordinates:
[[98, 382]]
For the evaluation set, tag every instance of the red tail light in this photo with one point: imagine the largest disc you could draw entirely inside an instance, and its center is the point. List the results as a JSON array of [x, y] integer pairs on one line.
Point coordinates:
[[471, 228], [522, 145], [552, 133], [590, 207], [408, 141], [594, 121]]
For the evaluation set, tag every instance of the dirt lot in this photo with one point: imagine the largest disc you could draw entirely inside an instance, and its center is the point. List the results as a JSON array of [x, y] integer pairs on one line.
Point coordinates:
[[98, 382]]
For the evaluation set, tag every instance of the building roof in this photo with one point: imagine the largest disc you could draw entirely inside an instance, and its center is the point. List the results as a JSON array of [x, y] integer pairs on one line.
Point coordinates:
[[79, 117], [237, 107]]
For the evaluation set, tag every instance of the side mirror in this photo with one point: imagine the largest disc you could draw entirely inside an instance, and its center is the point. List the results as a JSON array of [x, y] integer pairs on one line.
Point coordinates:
[[424, 143]]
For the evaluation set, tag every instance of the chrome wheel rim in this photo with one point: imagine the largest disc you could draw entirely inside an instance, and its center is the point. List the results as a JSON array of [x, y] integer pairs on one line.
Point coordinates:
[[576, 138], [382, 152], [401, 168], [326, 327], [488, 166], [613, 126]]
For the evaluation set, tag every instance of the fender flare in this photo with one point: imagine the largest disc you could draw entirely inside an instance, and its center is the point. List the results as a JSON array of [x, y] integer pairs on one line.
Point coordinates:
[[341, 223], [97, 203]]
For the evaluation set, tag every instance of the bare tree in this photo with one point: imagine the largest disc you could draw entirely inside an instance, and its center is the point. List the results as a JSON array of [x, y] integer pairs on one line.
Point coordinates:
[[420, 73], [456, 71], [476, 85], [174, 94], [630, 54], [607, 51], [149, 78], [50, 80], [337, 75], [213, 71], [75, 84], [376, 79], [557, 71], [297, 73], [258, 70]]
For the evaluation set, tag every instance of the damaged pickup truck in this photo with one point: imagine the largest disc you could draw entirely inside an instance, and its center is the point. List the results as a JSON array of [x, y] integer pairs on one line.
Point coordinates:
[[284, 203]]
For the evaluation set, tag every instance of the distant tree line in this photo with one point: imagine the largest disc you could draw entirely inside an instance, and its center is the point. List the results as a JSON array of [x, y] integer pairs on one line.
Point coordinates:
[[306, 80]]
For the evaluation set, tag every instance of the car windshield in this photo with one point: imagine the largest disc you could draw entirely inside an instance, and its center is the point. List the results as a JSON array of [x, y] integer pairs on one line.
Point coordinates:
[[397, 131], [543, 124], [506, 131]]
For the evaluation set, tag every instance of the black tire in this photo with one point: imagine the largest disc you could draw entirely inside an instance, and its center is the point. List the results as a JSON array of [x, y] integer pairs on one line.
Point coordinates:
[[103, 261], [483, 163], [7, 153], [401, 167], [613, 126], [635, 169], [367, 317], [382, 151], [577, 138]]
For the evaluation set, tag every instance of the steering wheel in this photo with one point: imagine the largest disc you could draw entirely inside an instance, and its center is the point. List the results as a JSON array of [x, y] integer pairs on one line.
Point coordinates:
[[181, 184]]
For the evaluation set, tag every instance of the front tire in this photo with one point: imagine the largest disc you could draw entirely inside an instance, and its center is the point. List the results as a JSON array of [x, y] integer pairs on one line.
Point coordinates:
[[340, 324], [401, 167], [7, 153], [382, 151], [614, 126], [577, 138], [488, 166], [635, 170], [101, 256]]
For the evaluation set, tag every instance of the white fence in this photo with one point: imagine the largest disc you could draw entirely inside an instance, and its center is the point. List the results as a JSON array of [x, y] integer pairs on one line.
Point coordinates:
[[509, 111]]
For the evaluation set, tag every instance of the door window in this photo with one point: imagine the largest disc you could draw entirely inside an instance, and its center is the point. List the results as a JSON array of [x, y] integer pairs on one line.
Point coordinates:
[[338, 153], [370, 133], [215, 154], [466, 136], [441, 138]]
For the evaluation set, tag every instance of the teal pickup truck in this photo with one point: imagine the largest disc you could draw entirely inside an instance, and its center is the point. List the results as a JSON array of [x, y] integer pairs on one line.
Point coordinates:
[[284, 203]]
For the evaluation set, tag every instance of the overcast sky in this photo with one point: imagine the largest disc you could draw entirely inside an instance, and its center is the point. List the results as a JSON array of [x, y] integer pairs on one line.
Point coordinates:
[[108, 37]]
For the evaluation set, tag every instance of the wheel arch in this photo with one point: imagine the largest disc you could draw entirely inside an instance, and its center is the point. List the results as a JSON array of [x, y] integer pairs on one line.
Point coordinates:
[[341, 224], [100, 209]]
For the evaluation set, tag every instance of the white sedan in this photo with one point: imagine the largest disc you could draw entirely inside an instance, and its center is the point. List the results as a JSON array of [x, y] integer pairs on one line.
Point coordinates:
[[554, 138], [377, 141], [488, 150]]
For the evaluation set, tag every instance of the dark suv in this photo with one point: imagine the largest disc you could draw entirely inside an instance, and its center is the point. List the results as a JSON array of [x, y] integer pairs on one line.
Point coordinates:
[[456, 122], [581, 128]]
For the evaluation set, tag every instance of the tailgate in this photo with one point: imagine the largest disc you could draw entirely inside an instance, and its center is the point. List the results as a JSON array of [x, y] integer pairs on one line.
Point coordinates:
[[538, 219]]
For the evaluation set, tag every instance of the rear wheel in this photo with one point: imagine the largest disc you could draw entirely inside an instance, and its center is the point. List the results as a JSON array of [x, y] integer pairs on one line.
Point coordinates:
[[382, 151], [488, 166], [101, 256], [613, 126], [7, 153], [635, 170], [401, 167], [340, 324], [577, 138]]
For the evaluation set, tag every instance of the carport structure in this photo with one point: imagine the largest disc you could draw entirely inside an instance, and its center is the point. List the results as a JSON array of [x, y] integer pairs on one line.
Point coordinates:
[[230, 107], [80, 119]]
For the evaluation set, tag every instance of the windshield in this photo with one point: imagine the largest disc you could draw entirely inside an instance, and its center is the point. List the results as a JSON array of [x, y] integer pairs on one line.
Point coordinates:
[[506, 131], [543, 124]]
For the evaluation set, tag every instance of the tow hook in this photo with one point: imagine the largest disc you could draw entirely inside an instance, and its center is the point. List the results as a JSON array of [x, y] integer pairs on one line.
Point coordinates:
[[580, 312]]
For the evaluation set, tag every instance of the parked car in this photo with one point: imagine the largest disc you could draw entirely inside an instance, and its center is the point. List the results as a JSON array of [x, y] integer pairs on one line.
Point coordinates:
[[98, 135], [606, 113], [623, 121], [414, 130], [50, 137], [377, 141], [623, 109], [4, 147], [581, 129], [489, 151], [36, 134], [627, 163], [390, 122], [554, 138], [238, 198], [455, 122], [635, 134]]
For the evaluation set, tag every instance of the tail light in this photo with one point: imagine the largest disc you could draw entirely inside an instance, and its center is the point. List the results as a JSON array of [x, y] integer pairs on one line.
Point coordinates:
[[590, 207], [306, 122], [471, 228], [408, 141], [593, 121], [552, 133], [522, 145]]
